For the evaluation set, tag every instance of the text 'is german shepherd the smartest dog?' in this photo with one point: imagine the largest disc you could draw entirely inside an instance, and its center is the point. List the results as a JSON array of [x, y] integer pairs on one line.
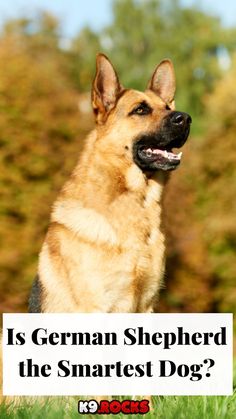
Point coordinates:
[[104, 249]]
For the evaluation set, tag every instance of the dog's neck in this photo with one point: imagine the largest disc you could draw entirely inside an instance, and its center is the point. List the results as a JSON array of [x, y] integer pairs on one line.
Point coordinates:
[[122, 178]]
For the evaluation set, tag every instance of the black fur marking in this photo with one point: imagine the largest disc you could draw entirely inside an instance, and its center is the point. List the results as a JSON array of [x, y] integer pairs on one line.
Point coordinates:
[[35, 297], [170, 134]]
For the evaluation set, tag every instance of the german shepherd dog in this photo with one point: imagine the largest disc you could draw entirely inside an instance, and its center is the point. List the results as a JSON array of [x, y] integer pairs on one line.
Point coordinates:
[[104, 249]]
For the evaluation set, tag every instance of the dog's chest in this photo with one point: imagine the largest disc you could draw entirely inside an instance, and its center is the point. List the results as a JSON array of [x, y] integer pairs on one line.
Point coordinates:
[[142, 244], [112, 259]]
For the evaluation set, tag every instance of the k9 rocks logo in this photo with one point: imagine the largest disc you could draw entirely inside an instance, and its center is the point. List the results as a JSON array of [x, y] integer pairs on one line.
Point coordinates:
[[128, 407]]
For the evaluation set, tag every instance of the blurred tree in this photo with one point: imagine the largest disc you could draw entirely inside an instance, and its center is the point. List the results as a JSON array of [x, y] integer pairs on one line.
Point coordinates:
[[216, 205], [144, 32], [43, 30], [39, 121], [201, 210], [82, 58]]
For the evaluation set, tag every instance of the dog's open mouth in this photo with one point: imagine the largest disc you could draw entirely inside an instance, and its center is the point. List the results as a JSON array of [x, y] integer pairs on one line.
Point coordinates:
[[156, 154], [150, 157], [159, 151], [156, 151]]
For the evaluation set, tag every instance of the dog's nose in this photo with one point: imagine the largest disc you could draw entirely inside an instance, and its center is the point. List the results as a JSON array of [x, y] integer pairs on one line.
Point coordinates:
[[180, 118]]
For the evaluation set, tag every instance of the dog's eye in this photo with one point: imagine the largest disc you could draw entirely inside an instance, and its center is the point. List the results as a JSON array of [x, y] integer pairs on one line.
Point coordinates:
[[141, 109]]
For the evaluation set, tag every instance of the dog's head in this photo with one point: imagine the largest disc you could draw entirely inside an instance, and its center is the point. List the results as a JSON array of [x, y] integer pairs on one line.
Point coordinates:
[[142, 126]]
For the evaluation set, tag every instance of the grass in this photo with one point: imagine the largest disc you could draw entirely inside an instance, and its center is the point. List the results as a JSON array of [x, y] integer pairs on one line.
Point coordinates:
[[171, 407]]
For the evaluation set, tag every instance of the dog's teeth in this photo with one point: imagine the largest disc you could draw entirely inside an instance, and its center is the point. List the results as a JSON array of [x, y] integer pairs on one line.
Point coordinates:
[[149, 152], [166, 154], [180, 155]]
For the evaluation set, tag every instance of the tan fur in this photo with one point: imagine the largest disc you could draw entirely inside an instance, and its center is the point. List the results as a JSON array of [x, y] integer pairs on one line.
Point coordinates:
[[104, 250]]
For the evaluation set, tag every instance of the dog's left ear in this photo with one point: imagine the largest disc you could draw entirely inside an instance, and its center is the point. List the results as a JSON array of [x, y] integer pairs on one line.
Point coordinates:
[[106, 88], [163, 82]]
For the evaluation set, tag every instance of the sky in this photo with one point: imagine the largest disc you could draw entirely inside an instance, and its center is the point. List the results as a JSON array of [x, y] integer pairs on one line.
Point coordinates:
[[75, 14]]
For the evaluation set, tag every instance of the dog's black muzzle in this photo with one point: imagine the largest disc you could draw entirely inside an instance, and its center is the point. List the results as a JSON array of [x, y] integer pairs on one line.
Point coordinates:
[[153, 151], [175, 129]]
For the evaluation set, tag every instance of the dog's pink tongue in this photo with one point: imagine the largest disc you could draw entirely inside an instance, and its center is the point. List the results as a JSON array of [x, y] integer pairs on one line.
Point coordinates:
[[157, 151], [164, 153]]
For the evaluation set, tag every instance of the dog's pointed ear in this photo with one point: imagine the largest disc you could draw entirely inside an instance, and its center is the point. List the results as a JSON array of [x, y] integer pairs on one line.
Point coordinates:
[[106, 88], [163, 82]]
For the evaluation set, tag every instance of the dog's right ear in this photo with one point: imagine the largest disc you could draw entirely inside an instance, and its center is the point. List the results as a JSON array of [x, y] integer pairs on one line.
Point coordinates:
[[106, 88], [163, 82]]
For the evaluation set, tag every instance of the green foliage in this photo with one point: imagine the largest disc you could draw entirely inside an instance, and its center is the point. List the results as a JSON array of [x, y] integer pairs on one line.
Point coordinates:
[[82, 58], [142, 33], [39, 122], [202, 230], [218, 183]]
